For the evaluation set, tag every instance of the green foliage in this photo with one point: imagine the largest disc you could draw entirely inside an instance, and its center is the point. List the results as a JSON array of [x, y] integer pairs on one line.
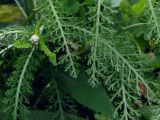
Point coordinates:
[[41, 115], [22, 44], [153, 19], [139, 7], [80, 90], [19, 86], [75, 55], [71, 6], [5, 116], [88, 2], [51, 55], [47, 115]]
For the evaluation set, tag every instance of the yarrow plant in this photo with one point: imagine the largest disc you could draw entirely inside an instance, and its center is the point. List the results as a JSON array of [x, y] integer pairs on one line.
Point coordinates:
[[81, 54]]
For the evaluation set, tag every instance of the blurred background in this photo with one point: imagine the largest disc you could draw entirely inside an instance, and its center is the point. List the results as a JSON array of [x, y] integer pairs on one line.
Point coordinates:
[[9, 13], [6, 1]]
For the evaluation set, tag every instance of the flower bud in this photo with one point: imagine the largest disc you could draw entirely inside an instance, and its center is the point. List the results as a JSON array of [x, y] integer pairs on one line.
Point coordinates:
[[35, 39]]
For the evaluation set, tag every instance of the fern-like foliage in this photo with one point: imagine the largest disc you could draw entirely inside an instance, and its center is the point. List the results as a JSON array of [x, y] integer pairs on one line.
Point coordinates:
[[153, 15], [113, 59], [56, 21], [156, 114], [19, 86], [101, 22], [9, 35], [124, 77], [59, 102], [107, 58], [109, 61]]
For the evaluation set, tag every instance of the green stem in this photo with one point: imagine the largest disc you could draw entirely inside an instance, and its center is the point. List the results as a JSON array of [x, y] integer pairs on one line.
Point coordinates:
[[17, 99], [59, 102], [21, 8], [64, 38], [155, 17], [135, 42], [38, 100], [13, 32], [2, 51], [134, 26], [95, 45]]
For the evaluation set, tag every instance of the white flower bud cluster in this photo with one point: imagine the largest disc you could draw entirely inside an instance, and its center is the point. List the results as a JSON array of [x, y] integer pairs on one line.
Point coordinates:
[[34, 39]]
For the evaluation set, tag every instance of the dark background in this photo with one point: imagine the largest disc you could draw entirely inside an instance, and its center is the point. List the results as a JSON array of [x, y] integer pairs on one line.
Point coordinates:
[[6, 1]]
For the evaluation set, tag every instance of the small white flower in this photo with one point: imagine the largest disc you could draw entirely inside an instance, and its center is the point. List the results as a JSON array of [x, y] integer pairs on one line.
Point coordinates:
[[35, 39]]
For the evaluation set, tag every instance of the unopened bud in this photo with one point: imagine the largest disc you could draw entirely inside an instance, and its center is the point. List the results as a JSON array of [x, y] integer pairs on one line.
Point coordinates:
[[35, 39]]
